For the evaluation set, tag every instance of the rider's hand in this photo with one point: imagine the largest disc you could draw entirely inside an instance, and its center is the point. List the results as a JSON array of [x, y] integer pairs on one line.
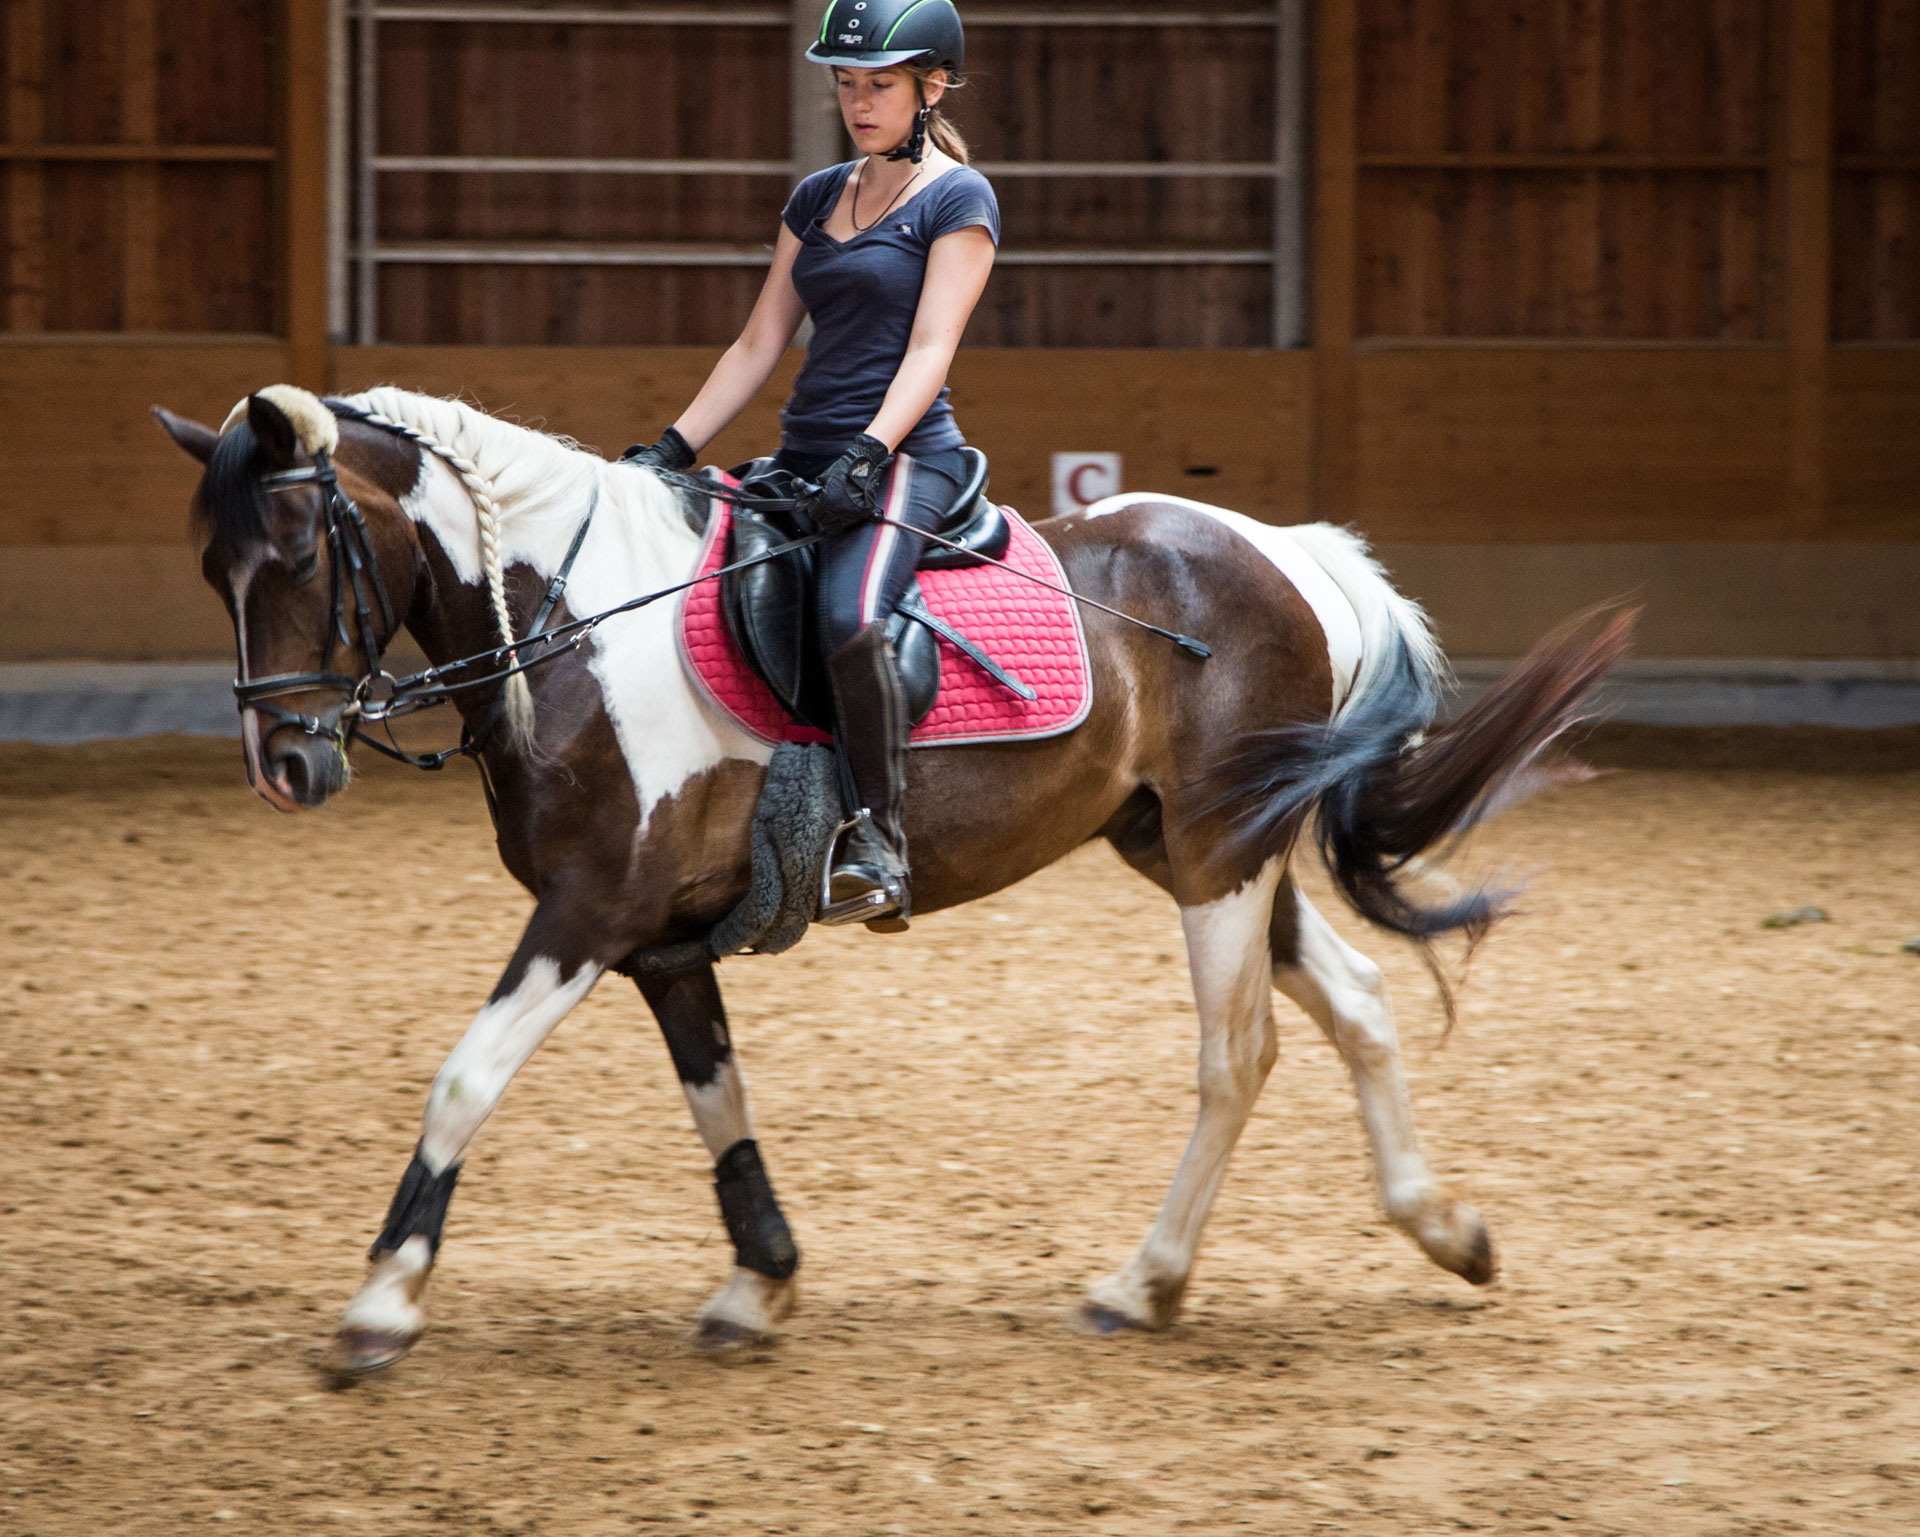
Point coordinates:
[[850, 490], [672, 452]]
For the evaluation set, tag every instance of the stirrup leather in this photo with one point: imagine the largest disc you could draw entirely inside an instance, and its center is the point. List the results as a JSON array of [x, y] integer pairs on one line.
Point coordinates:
[[881, 902]]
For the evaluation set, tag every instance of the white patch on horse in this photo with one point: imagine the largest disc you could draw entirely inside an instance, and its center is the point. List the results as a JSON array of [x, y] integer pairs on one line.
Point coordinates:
[[639, 543], [390, 1300], [1329, 567], [1228, 956], [720, 1108], [497, 1044]]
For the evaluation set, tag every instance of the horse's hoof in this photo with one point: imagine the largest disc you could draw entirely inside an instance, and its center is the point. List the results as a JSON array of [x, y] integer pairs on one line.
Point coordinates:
[[1095, 1318], [1478, 1264], [357, 1353], [717, 1336]]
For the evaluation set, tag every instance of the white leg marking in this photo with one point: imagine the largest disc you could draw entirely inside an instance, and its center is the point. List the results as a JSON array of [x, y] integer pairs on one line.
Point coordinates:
[[1227, 954], [497, 1045], [391, 1301], [748, 1306], [720, 1108], [1346, 996]]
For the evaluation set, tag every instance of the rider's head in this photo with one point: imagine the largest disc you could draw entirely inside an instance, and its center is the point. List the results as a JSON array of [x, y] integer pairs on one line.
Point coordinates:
[[892, 61]]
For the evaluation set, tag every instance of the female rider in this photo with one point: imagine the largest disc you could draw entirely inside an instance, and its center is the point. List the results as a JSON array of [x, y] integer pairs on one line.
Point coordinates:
[[889, 254]]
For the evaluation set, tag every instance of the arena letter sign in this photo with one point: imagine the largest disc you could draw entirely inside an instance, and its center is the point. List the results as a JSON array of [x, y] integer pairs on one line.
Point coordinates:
[[1080, 480]]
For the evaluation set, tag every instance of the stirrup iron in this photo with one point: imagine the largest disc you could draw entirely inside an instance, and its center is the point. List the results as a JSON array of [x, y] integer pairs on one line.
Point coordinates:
[[874, 905]]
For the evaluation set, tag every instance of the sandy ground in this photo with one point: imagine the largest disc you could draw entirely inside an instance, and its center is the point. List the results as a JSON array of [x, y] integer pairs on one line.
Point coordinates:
[[1695, 1138]]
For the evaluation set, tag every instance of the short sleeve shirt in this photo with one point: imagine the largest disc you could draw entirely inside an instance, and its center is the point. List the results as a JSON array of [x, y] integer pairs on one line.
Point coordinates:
[[862, 294]]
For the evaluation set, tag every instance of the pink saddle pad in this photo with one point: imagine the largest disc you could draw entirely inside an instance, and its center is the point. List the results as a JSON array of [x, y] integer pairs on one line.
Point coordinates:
[[1033, 633]]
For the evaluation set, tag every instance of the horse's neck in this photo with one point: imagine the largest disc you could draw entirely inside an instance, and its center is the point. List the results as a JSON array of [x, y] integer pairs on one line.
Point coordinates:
[[638, 543]]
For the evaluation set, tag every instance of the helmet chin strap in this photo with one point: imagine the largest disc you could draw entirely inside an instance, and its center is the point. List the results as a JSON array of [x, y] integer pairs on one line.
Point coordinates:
[[916, 146]]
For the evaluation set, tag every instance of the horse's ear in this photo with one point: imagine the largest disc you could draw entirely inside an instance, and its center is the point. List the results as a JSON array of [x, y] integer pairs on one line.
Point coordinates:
[[273, 430], [189, 434]]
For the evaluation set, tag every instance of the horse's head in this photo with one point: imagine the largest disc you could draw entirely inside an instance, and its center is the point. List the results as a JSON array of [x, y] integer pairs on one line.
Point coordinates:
[[316, 588]]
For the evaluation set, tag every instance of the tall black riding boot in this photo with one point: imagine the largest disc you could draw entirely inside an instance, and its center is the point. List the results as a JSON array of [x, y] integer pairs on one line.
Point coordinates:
[[868, 883]]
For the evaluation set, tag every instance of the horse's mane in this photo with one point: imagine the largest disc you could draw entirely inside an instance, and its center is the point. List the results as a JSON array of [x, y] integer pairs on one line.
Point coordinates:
[[526, 472]]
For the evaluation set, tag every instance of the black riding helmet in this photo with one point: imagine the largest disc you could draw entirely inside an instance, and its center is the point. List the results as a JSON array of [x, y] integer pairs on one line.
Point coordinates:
[[876, 34]]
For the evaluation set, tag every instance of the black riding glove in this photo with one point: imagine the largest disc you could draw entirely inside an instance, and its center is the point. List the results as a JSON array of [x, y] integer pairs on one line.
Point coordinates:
[[670, 453], [849, 492]]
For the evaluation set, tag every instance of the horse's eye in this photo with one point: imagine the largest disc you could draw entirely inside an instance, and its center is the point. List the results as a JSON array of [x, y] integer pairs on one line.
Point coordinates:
[[307, 566]]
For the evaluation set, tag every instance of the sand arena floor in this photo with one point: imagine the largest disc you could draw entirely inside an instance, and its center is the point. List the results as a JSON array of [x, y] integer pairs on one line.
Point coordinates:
[[1695, 1138]]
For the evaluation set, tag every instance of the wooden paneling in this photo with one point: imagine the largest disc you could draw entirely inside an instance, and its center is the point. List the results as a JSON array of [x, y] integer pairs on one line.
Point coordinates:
[[1566, 76], [1226, 426], [1547, 443], [1613, 255], [81, 460], [1876, 195], [134, 244], [1873, 444], [1509, 483], [1572, 168]]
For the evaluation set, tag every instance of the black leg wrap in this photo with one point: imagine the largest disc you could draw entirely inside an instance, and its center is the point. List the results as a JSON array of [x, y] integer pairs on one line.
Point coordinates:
[[419, 1207], [762, 1241]]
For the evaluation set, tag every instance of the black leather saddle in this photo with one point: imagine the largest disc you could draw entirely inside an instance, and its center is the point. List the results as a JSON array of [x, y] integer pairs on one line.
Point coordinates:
[[773, 608]]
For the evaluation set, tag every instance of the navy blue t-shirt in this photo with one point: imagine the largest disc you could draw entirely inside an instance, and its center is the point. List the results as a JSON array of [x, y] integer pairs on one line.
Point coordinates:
[[862, 294]]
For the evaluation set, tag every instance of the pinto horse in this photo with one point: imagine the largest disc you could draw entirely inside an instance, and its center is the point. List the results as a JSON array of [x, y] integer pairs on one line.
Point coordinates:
[[622, 798]]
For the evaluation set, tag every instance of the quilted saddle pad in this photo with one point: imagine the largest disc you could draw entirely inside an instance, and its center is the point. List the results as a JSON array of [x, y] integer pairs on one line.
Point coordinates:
[[1034, 633]]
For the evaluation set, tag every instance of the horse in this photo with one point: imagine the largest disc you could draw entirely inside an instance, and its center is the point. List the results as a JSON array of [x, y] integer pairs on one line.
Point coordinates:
[[622, 799]]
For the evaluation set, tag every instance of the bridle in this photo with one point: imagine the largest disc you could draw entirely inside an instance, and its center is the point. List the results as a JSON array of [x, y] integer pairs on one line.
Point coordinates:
[[352, 564]]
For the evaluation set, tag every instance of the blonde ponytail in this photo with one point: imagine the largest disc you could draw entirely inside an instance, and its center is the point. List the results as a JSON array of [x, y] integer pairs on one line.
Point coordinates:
[[941, 129]]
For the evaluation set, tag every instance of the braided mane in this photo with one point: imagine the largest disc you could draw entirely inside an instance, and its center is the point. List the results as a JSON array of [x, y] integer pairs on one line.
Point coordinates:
[[508, 471]]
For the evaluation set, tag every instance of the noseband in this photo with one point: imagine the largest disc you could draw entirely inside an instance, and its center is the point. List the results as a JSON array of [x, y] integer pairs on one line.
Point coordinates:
[[351, 564]]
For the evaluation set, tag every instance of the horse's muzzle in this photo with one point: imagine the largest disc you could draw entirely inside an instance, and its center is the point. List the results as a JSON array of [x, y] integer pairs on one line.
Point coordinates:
[[291, 770]]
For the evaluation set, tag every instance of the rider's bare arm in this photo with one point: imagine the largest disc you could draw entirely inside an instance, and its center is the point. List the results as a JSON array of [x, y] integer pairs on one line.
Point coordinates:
[[747, 365], [957, 269]]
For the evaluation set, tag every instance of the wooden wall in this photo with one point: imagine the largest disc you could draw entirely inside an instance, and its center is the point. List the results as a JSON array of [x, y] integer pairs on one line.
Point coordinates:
[[138, 165], [1592, 279]]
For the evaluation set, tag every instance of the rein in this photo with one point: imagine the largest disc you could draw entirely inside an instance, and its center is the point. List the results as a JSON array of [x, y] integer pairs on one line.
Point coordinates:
[[377, 697]]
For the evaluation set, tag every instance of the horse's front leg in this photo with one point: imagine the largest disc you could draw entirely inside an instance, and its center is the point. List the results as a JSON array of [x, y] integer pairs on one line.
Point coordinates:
[[762, 1289], [547, 976]]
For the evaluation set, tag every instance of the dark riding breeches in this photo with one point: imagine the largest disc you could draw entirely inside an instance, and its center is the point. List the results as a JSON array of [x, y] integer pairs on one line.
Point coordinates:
[[864, 571]]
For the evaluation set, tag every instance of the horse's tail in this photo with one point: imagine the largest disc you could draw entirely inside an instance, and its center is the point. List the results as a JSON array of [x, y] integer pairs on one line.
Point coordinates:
[[1384, 793]]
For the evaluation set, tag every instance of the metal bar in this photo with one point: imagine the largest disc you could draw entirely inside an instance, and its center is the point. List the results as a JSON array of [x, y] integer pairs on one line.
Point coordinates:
[[583, 254], [566, 165], [573, 16], [1003, 169], [366, 321], [134, 154], [1119, 18], [1290, 173], [339, 172], [1252, 170], [578, 16], [1474, 160]]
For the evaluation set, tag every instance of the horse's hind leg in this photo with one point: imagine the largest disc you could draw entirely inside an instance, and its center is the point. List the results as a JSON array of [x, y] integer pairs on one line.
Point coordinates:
[[1227, 953], [762, 1289], [1346, 996]]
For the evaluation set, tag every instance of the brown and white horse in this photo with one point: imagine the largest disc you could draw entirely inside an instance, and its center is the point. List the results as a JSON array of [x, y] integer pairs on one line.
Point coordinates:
[[623, 799]]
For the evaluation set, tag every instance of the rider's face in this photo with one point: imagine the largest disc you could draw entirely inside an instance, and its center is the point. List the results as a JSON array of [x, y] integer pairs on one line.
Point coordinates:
[[879, 104]]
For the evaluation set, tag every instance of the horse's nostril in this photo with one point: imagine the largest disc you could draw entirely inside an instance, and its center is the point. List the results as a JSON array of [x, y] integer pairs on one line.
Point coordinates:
[[295, 775]]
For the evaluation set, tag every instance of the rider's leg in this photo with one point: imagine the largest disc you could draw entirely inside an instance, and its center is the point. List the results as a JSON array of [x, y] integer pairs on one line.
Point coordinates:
[[863, 574]]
